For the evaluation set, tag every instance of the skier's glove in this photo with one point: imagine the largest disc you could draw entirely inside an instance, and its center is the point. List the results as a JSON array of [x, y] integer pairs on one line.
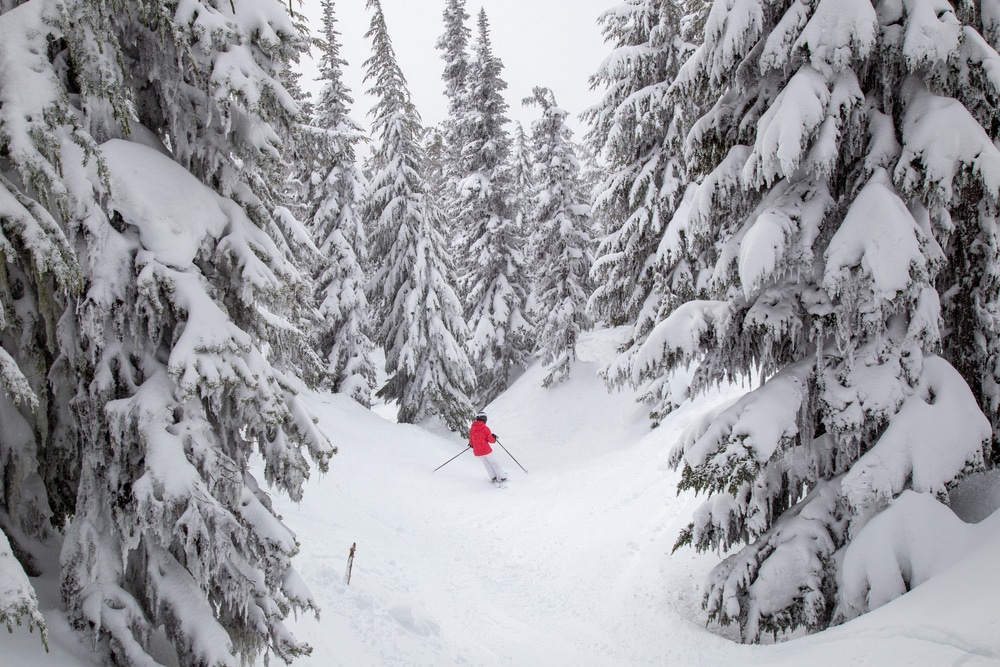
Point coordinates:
[[495, 437]]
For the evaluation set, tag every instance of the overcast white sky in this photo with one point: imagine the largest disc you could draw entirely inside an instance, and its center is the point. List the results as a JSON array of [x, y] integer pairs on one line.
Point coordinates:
[[552, 43]]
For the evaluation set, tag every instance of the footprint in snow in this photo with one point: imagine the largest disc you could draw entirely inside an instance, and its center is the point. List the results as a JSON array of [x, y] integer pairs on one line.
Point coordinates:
[[425, 627]]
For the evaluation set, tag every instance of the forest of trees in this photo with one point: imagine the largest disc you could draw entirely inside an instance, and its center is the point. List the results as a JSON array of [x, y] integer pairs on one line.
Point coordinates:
[[188, 239]]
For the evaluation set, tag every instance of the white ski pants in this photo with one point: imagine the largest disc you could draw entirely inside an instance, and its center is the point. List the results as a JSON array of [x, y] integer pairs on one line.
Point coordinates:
[[493, 468]]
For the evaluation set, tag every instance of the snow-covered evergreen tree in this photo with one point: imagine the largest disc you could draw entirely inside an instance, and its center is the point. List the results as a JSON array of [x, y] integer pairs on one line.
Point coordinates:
[[446, 141], [422, 328], [39, 283], [561, 244], [641, 272], [592, 176], [435, 163], [480, 204], [490, 242], [522, 177], [343, 331], [969, 282], [635, 130], [454, 44], [300, 156], [146, 264], [831, 211]]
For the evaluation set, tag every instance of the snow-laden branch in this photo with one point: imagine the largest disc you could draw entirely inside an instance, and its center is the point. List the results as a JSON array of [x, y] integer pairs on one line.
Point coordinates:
[[18, 602]]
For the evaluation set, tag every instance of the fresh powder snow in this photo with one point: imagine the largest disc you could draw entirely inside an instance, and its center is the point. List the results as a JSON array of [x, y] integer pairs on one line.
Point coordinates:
[[571, 564]]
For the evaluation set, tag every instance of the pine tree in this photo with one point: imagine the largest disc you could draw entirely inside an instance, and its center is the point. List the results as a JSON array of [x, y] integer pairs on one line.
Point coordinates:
[[634, 129], [490, 242], [144, 271], [300, 156], [969, 282], [445, 143], [39, 283], [454, 44], [642, 270], [561, 243], [522, 178], [831, 212], [343, 332], [422, 326], [592, 175], [435, 164]]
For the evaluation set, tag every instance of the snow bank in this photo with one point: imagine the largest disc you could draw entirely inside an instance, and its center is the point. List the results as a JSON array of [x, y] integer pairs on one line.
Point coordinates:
[[912, 540]]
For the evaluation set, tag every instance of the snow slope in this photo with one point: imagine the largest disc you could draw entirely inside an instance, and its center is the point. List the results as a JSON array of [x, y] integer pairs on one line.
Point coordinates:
[[569, 565]]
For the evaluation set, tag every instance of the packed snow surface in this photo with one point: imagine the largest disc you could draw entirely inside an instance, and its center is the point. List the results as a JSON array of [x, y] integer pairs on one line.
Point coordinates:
[[568, 565]]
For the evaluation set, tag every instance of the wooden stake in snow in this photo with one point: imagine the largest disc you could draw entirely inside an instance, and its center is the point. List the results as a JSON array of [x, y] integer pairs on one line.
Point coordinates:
[[350, 562]]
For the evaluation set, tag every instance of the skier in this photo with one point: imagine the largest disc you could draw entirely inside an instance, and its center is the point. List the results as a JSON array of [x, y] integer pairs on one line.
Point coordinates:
[[480, 438]]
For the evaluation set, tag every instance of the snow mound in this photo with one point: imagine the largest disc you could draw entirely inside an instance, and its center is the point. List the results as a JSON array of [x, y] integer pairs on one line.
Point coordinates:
[[914, 539]]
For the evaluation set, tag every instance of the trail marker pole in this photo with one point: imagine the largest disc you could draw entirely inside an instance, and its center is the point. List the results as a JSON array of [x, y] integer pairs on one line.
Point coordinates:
[[350, 562]]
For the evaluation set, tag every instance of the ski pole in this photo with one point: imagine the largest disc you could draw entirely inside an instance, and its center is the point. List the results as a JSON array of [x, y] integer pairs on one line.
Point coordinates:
[[452, 459], [510, 455]]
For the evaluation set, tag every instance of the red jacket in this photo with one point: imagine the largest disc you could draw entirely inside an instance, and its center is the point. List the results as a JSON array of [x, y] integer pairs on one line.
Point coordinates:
[[480, 437]]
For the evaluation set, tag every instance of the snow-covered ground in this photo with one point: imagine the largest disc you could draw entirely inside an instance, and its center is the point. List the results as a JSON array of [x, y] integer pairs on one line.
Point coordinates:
[[569, 565]]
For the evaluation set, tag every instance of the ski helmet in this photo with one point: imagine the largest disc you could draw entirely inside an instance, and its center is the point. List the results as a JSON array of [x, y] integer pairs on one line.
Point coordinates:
[[480, 416]]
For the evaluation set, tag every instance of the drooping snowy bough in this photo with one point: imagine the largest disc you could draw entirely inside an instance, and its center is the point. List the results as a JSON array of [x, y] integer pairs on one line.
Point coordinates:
[[848, 246], [151, 322]]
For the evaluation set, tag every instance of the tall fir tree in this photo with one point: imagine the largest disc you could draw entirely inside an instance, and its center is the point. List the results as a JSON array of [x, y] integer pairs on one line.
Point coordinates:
[[422, 328], [561, 244], [447, 140], [630, 131], [454, 44], [836, 217], [299, 155], [969, 281], [435, 147], [146, 265], [336, 221], [522, 177], [642, 270], [490, 242]]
